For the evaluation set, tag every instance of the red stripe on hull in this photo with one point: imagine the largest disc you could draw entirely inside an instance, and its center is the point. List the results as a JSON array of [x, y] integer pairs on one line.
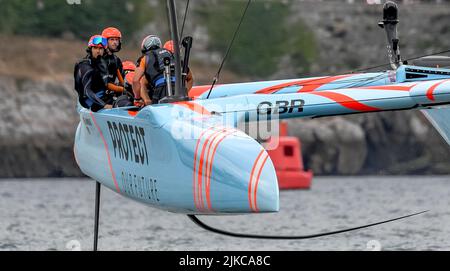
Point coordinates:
[[346, 101]]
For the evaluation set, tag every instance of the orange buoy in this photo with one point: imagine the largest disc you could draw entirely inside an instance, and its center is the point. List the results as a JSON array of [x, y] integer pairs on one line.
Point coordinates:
[[288, 162]]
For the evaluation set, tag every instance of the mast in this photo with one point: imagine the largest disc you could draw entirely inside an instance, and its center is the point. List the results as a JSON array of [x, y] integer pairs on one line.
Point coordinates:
[[389, 23], [179, 93]]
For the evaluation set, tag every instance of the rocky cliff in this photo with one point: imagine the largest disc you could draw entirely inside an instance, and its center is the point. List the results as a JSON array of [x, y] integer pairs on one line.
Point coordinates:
[[400, 142], [379, 143], [37, 126]]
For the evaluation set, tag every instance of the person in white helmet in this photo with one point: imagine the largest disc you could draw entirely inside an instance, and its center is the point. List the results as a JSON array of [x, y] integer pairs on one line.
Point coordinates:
[[151, 66]]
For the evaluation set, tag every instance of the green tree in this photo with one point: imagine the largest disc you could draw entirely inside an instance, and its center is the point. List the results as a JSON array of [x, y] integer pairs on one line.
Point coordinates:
[[56, 17], [265, 36]]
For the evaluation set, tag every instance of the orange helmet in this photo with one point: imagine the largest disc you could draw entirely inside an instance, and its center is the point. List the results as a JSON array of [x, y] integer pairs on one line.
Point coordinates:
[[128, 66], [111, 32], [129, 77], [169, 46]]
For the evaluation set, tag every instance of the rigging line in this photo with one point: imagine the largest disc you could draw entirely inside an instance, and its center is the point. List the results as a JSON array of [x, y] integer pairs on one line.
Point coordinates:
[[184, 19], [412, 58], [378, 66], [367, 82], [368, 68], [432, 54], [349, 72], [352, 82], [229, 48], [287, 237], [362, 81], [345, 81]]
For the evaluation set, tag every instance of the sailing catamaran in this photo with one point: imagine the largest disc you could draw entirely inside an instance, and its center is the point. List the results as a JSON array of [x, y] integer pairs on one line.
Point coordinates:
[[187, 155]]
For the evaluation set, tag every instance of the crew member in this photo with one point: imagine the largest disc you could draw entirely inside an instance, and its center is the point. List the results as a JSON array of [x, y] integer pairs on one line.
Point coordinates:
[[152, 67], [128, 69], [88, 78], [189, 76], [112, 70], [146, 91]]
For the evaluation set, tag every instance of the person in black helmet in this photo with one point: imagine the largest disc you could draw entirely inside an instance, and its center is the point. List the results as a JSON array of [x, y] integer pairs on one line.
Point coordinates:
[[88, 79], [152, 67]]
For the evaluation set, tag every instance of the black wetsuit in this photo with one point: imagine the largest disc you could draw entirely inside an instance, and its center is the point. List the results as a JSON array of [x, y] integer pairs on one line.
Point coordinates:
[[90, 85]]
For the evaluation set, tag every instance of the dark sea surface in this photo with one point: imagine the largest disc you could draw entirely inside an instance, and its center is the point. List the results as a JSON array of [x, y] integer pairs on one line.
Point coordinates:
[[57, 214]]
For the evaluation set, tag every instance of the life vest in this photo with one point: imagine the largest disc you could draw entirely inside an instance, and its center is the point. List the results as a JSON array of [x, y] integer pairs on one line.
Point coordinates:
[[154, 66], [113, 64]]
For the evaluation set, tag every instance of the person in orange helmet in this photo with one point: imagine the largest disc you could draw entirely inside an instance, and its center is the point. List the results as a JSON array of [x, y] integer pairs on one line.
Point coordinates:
[[129, 68], [169, 46], [113, 74], [189, 77]]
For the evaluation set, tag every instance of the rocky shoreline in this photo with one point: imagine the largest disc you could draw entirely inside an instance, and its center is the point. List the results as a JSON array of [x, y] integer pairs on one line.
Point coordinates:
[[37, 126]]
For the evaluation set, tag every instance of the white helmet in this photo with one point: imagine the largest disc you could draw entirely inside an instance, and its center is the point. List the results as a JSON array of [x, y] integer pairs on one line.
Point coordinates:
[[150, 42]]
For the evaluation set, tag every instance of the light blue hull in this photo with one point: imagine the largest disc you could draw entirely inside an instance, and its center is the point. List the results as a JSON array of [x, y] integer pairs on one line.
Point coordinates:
[[188, 157], [208, 169]]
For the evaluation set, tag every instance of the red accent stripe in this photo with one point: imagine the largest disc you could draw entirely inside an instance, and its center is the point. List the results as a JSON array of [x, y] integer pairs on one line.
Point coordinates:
[[194, 107], [346, 101], [194, 184], [213, 141], [251, 179], [273, 89], [257, 181], [198, 91], [315, 83], [320, 82], [200, 169], [132, 113], [308, 84], [209, 169], [432, 89], [107, 153]]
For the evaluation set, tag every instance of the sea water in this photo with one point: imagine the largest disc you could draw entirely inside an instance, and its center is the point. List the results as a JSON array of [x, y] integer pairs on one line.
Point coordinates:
[[57, 214]]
